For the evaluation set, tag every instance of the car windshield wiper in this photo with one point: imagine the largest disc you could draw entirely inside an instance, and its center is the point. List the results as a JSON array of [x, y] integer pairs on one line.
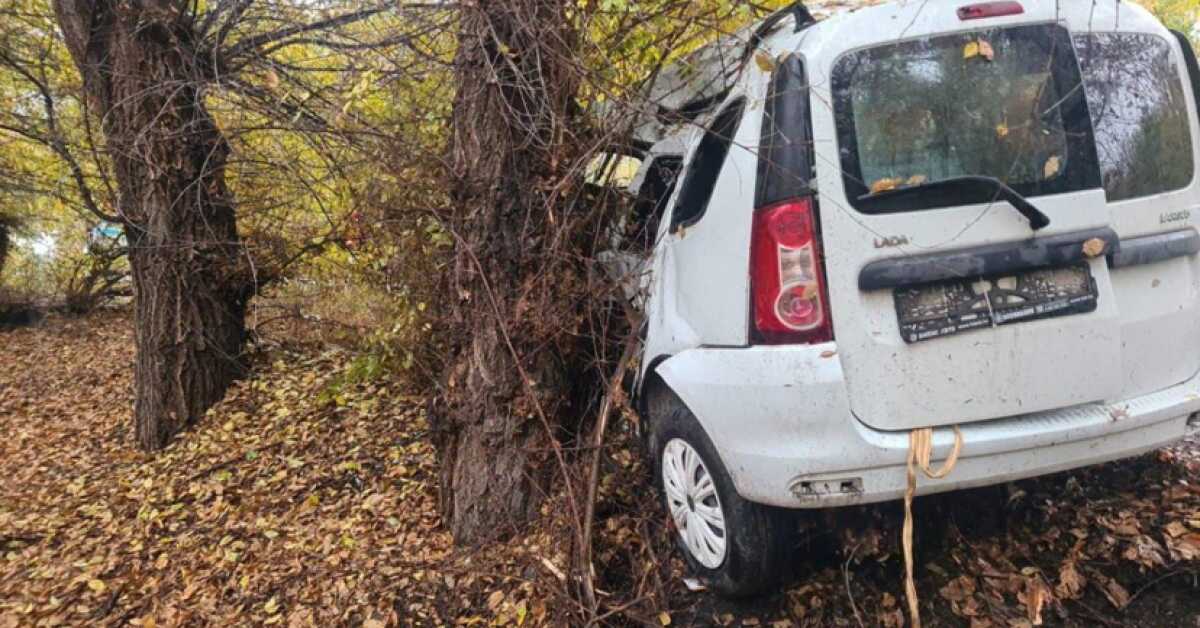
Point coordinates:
[[956, 190]]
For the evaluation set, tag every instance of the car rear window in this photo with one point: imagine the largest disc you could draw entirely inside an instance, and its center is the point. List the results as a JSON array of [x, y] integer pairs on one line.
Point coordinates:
[[1002, 102], [1136, 99]]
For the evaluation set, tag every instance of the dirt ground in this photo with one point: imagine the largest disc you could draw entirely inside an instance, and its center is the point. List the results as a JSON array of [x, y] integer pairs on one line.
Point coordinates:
[[308, 498]]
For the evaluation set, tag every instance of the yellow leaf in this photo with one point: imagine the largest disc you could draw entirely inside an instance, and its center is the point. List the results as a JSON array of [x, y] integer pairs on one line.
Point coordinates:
[[272, 606], [1052, 166], [664, 618], [1093, 247], [884, 185], [916, 179], [764, 62], [971, 50], [373, 623], [1001, 130], [985, 50], [96, 585]]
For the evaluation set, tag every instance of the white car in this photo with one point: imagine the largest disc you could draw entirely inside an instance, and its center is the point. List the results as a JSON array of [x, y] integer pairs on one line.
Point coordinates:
[[910, 215]]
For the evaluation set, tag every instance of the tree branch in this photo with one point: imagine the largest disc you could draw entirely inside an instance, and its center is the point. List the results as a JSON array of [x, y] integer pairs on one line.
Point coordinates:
[[250, 44], [54, 139]]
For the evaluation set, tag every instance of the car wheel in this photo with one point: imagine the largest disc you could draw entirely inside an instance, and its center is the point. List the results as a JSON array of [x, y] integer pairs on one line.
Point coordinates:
[[737, 547]]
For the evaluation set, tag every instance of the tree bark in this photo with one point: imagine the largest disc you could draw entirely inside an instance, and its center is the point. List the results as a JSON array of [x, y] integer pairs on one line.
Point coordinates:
[[507, 384], [143, 76]]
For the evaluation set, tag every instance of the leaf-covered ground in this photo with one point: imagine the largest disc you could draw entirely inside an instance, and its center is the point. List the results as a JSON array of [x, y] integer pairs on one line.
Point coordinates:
[[297, 501], [307, 500]]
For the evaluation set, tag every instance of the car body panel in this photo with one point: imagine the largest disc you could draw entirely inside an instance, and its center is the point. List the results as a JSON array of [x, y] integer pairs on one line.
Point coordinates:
[[779, 419]]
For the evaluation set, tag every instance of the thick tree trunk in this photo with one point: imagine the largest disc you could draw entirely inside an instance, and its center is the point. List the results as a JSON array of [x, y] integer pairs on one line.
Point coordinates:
[[144, 79], [506, 394]]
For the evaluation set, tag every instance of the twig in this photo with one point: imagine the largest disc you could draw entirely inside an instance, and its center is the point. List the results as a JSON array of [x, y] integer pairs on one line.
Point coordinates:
[[619, 609], [1157, 580], [1095, 614], [111, 603], [552, 568], [849, 591], [614, 389]]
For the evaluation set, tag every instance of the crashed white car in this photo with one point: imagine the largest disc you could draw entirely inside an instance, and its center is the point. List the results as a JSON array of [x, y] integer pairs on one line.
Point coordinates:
[[974, 217]]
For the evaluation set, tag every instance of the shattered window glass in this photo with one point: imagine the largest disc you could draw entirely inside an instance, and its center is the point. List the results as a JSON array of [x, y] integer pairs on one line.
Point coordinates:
[[1003, 103], [1136, 99]]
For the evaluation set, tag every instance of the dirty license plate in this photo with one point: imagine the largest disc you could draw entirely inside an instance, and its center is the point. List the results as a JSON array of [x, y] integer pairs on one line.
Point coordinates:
[[949, 307]]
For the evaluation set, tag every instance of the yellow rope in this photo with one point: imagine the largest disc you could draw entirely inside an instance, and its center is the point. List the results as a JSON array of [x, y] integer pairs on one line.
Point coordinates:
[[920, 450]]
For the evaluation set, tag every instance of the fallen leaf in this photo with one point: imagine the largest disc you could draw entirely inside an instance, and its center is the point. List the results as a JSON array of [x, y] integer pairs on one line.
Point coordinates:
[[1116, 594], [1176, 529], [1034, 597], [971, 50], [985, 50], [1052, 166], [958, 589], [1001, 130], [916, 179], [1187, 547], [1070, 581], [764, 62], [1094, 247], [884, 185], [96, 585], [272, 606], [664, 618], [1145, 551]]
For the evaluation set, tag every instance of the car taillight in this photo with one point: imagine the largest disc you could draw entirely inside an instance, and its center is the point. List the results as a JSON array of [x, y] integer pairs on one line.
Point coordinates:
[[989, 9], [786, 275]]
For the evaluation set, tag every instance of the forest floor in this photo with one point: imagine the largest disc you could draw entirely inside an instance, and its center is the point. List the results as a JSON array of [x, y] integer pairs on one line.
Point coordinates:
[[308, 498]]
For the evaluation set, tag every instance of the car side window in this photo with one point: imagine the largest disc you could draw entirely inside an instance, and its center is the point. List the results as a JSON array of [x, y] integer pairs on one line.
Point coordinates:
[[642, 229], [701, 178], [1136, 100]]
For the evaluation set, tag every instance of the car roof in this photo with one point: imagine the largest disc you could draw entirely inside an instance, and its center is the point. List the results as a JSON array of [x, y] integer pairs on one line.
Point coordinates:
[[697, 83]]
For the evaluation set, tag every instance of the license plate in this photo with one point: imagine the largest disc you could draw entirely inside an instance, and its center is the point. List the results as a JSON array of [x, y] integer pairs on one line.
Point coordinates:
[[949, 307]]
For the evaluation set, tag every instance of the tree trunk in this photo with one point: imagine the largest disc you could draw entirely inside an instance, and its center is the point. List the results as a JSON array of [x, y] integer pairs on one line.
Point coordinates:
[[507, 383], [144, 79], [3, 242]]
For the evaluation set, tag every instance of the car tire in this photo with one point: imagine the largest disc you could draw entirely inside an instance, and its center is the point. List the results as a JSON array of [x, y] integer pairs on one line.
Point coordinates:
[[754, 539]]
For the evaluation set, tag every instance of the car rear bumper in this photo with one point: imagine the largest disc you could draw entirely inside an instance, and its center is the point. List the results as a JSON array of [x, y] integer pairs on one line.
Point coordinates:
[[780, 420]]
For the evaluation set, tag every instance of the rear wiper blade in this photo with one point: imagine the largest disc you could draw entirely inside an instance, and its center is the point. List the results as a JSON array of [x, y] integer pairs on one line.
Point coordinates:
[[958, 190]]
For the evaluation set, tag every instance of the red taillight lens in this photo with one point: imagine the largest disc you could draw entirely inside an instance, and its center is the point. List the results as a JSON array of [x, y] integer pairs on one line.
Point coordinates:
[[786, 275], [989, 9]]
